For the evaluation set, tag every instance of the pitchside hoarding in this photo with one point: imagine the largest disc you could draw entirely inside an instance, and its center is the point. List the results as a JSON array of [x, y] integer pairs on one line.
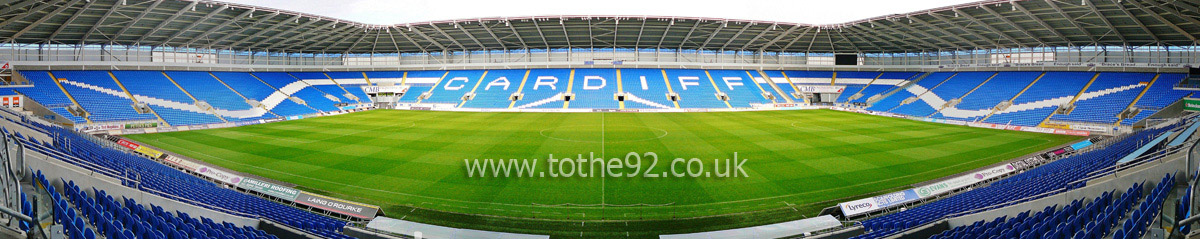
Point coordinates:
[[148, 151], [858, 207], [139, 148], [1081, 144], [260, 186], [219, 175], [182, 163], [337, 205], [128, 144], [865, 205], [963, 181]]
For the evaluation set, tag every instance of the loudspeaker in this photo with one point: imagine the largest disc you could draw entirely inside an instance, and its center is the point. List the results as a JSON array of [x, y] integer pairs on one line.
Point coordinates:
[[845, 59]]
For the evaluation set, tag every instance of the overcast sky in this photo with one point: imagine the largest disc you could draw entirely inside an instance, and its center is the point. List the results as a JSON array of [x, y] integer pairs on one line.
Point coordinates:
[[796, 11]]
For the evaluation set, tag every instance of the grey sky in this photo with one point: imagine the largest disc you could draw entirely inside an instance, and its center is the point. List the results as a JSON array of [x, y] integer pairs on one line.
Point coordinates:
[[797, 11]]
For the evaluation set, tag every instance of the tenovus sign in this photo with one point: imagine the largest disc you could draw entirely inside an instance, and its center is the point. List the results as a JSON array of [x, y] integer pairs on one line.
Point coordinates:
[[269, 189]]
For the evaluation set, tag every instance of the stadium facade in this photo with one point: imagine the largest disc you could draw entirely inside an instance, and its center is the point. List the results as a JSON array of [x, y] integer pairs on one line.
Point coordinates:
[[78, 74]]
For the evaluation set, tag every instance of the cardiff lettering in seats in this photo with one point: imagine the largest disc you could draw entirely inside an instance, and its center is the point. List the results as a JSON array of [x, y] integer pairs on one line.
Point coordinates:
[[590, 82], [685, 81], [731, 81], [546, 81], [502, 81], [459, 86]]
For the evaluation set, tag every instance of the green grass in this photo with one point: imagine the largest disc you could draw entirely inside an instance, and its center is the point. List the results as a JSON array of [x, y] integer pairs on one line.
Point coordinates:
[[411, 163]]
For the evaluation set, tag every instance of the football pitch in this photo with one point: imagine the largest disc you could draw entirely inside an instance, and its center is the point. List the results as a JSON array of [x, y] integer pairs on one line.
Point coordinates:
[[415, 164]]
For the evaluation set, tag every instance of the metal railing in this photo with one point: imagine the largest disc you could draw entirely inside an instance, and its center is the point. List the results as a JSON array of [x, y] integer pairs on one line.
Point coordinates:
[[12, 164]]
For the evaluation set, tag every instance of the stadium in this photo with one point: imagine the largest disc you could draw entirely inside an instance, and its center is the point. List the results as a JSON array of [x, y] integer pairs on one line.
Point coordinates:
[[170, 119]]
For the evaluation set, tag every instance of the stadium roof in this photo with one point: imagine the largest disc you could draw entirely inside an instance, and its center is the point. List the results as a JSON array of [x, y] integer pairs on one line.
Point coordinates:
[[981, 25]]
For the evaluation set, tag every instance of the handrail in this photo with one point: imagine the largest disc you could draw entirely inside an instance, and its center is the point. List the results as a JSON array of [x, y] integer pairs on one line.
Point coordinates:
[[1182, 223], [17, 215], [77, 161], [10, 141]]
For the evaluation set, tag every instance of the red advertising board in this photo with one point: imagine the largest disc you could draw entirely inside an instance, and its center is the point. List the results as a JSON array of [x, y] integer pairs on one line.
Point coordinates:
[[127, 144]]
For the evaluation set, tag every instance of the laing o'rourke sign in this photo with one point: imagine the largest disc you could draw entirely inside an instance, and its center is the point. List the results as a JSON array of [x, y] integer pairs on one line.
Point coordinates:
[[337, 205]]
